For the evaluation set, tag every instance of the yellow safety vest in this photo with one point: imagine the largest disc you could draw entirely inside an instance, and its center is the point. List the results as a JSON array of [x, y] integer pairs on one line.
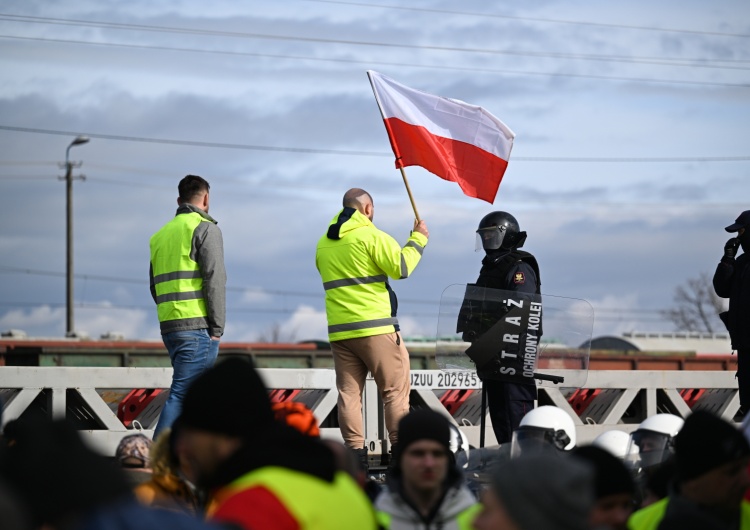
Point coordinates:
[[177, 278], [314, 503], [650, 517], [355, 260]]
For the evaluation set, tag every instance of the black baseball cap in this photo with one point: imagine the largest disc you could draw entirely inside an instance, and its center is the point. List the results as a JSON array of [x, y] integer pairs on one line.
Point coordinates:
[[742, 222]]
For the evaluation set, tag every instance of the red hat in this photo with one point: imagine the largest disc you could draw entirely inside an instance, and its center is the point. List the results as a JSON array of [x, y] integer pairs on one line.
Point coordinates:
[[297, 415]]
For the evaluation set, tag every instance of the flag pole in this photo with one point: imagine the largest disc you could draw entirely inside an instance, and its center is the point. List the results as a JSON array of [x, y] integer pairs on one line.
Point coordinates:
[[408, 190], [395, 149]]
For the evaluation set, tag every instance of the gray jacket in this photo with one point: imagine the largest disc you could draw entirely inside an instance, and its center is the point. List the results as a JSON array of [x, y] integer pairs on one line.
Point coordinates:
[[457, 506]]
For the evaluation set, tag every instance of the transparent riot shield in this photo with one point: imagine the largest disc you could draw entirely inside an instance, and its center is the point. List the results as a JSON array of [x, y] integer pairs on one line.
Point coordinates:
[[533, 339]]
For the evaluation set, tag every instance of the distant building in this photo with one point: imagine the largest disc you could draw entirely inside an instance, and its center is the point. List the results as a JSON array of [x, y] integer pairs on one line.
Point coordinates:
[[678, 342]]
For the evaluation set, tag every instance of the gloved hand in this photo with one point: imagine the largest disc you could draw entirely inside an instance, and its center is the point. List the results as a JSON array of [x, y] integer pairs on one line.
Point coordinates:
[[730, 249]]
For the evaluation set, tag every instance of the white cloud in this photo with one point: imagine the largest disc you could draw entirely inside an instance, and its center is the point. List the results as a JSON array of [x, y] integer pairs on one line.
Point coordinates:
[[414, 328], [43, 320], [133, 324], [614, 315], [254, 296], [306, 323]]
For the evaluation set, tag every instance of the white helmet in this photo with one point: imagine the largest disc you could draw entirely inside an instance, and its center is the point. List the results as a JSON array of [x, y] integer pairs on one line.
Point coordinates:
[[662, 423], [653, 440], [657, 432], [458, 441], [544, 427], [614, 441], [459, 444]]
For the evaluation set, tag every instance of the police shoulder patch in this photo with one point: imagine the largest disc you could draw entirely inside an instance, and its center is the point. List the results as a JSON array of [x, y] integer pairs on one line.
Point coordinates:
[[519, 278]]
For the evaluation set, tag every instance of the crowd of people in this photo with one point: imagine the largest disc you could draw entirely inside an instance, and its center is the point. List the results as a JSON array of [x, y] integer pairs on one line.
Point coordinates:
[[224, 456], [356, 262], [234, 460]]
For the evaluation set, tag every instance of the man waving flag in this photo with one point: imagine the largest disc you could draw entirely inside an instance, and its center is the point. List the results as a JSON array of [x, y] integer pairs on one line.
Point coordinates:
[[454, 140]]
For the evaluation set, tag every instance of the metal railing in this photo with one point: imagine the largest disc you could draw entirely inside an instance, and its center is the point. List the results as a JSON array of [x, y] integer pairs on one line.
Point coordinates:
[[90, 397]]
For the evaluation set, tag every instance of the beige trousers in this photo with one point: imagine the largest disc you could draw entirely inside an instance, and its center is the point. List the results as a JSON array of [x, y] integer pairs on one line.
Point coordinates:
[[386, 358]]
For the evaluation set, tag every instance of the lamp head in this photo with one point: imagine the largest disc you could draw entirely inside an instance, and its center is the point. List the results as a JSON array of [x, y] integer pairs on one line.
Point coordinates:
[[79, 140]]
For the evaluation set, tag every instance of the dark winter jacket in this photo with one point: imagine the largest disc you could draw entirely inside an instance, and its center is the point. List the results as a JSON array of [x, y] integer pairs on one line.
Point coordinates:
[[732, 280]]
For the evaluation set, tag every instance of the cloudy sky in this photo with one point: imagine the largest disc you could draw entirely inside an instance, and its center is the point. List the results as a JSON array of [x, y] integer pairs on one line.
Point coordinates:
[[631, 152]]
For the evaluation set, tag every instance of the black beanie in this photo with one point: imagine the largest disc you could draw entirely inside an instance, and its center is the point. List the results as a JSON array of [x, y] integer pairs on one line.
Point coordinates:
[[611, 477], [229, 398], [706, 442], [423, 424]]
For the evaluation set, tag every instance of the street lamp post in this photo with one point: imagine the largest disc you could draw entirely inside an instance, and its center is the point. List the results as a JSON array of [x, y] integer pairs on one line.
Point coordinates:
[[69, 320]]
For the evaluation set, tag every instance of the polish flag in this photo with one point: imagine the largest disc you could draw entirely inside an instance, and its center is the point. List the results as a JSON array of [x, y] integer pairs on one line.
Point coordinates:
[[454, 140]]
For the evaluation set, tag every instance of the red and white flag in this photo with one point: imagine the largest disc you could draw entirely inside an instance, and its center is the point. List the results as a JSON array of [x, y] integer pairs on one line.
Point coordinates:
[[454, 140]]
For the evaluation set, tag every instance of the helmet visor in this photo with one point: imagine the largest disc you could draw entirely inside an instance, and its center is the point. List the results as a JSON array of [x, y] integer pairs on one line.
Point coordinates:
[[490, 238], [649, 448], [532, 440]]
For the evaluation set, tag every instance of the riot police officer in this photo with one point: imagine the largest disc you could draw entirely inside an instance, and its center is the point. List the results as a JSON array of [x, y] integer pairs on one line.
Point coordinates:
[[732, 280], [505, 267]]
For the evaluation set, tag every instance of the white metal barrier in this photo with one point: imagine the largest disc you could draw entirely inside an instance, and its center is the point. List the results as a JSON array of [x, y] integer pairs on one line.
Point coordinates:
[[90, 398]]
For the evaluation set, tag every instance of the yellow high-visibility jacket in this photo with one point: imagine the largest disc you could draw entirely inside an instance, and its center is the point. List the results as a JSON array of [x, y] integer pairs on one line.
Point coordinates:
[[355, 260], [275, 497]]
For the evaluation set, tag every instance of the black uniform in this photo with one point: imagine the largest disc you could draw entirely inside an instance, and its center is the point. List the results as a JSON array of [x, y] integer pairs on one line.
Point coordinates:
[[509, 270], [732, 280]]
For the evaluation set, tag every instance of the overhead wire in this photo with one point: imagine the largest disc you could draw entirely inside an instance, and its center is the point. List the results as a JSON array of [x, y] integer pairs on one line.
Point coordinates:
[[679, 62], [531, 19], [199, 31], [504, 71], [307, 150], [266, 310], [700, 63], [693, 63], [259, 290], [270, 36], [120, 279], [541, 159]]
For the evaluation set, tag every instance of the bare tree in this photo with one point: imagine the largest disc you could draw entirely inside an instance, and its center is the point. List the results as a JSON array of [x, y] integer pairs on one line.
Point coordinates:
[[697, 306]]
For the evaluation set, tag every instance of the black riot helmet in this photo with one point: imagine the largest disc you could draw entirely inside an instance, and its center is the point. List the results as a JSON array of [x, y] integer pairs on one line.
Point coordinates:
[[499, 230]]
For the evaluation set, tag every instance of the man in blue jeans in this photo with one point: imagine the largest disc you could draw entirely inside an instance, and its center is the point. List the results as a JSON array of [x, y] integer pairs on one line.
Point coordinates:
[[188, 284]]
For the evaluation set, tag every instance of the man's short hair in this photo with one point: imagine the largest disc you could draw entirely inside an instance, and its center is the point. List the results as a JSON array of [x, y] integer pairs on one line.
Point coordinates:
[[191, 186]]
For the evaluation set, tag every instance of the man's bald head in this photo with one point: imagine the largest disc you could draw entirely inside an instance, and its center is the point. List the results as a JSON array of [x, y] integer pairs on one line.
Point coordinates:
[[360, 200], [356, 198]]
